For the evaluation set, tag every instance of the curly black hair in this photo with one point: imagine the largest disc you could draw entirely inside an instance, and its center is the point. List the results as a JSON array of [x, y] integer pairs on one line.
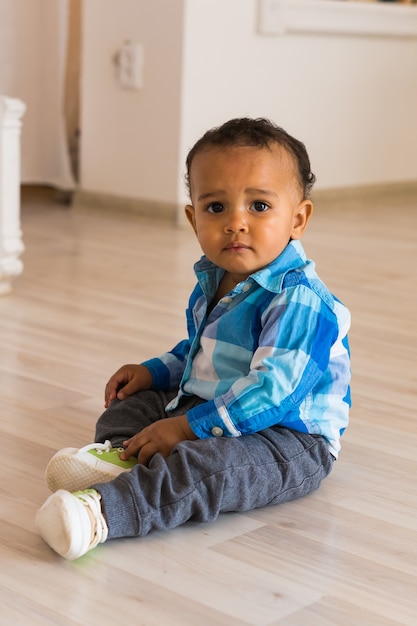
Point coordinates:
[[259, 133]]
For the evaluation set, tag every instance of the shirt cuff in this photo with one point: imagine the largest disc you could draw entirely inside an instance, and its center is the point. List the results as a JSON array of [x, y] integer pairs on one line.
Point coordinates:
[[211, 419]]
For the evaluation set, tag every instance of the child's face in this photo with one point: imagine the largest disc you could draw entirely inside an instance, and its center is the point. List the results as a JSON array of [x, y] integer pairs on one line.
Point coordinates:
[[246, 205]]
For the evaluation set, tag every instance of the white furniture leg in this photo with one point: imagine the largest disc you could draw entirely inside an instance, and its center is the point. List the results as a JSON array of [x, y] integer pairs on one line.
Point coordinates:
[[11, 244]]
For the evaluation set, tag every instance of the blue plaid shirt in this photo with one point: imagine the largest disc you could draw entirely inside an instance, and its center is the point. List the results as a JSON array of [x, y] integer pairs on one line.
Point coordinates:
[[272, 351]]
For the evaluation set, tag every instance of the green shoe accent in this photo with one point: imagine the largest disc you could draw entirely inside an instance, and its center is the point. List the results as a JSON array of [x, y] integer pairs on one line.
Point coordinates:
[[112, 455]]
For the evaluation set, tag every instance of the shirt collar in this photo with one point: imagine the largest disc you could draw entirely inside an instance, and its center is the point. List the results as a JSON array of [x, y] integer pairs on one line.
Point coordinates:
[[270, 277]]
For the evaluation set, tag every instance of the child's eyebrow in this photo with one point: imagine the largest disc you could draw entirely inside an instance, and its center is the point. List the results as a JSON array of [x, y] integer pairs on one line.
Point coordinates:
[[249, 190], [265, 192], [211, 194]]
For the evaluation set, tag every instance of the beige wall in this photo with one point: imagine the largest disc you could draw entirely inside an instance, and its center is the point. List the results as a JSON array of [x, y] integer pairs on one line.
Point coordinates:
[[351, 99], [130, 138], [32, 57]]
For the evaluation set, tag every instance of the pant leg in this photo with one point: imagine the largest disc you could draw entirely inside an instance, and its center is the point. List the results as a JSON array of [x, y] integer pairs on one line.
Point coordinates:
[[200, 479], [125, 418]]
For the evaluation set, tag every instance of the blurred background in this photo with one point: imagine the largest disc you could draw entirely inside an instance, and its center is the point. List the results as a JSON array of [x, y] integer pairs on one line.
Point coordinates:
[[117, 91]]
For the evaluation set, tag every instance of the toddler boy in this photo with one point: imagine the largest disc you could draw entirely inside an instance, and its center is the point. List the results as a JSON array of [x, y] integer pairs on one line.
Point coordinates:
[[248, 410]]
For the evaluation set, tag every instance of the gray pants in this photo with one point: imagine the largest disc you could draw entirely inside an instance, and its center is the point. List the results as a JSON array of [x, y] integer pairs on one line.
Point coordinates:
[[203, 478]]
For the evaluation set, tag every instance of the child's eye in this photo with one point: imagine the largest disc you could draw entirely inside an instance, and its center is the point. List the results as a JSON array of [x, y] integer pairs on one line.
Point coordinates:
[[259, 207], [215, 207]]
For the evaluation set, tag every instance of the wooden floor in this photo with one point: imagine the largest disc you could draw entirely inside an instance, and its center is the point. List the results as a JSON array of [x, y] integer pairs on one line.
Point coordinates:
[[101, 289]]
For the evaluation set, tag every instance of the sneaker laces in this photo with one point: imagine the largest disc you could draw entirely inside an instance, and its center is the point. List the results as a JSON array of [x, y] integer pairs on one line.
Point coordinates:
[[99, 447], [91, 501]]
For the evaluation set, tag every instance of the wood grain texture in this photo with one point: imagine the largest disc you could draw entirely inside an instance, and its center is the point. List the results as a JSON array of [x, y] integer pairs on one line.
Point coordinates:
[[103, 289]]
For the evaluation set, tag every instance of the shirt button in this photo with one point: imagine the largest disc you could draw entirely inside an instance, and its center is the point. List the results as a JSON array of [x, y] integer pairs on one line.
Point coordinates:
[[246, 287], [216, 431]]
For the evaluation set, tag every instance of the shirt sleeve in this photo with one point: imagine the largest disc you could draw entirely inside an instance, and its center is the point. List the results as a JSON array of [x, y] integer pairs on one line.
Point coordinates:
[[298, 332], [168, 368]]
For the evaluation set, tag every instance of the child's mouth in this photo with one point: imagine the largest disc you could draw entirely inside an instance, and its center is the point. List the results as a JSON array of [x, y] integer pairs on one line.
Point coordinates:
[[236, 246]]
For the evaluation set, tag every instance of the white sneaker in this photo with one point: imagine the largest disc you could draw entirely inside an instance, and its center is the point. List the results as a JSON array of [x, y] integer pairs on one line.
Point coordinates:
[[75, 469], [72, 523]]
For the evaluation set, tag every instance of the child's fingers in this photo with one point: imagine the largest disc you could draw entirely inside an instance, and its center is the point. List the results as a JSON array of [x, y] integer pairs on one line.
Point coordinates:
[[131, 448]]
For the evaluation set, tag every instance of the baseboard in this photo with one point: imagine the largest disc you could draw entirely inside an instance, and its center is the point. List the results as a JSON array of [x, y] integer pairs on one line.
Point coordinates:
[[147, 208], [173, 212], [365, 192]]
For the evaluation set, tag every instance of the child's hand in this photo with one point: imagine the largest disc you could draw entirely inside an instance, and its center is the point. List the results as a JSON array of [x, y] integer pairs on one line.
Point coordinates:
[[127, 380], [161, 436]]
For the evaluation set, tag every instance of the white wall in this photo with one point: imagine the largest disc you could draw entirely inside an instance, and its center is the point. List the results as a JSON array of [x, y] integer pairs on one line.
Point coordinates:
[[351, 99], [32, 56], [130, 138]]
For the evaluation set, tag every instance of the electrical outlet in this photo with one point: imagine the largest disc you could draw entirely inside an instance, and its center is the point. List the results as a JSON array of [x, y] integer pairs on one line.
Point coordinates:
[[130, 60]]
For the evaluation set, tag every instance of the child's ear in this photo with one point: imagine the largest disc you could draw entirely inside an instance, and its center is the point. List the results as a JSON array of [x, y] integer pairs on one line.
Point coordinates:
[[190, 213], [301, 216]]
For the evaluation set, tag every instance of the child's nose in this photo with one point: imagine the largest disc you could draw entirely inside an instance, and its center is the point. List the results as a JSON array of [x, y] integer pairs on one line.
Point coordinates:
[[236, 221]]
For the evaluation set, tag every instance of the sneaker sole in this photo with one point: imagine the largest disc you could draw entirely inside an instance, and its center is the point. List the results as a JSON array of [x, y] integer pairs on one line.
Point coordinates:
[[68, 472], [55, 521]]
